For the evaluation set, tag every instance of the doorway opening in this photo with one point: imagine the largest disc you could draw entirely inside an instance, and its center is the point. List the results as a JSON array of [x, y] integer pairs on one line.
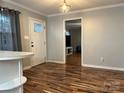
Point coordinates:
[[73, 44]]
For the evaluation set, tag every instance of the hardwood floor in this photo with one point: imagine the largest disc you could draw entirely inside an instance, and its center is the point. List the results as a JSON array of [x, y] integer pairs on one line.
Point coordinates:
[[57, 78], [74, 59]]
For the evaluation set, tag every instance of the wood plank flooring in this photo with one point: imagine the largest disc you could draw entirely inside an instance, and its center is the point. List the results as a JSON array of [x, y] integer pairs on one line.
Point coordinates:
[[57, 78], [74, 59]]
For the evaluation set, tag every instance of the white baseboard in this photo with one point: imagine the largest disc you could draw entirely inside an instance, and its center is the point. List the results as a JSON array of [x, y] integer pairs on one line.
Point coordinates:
[[104, 67], [27, 67], [84, 65], [56, 61]]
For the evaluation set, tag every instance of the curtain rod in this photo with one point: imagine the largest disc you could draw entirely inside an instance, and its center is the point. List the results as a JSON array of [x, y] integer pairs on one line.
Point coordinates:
[[9, 9]]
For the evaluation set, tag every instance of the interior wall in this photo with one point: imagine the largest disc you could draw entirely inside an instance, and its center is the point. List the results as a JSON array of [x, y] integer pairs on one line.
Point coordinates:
[[24, 22], [103, 37], [55, 39], [75, 38]]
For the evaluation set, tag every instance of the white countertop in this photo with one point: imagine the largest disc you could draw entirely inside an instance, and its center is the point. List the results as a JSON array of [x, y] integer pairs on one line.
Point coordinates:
[[12, 55]]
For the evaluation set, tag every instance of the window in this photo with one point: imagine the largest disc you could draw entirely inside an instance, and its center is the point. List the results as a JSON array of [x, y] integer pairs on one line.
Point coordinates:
[[38, 27], [9, 30]]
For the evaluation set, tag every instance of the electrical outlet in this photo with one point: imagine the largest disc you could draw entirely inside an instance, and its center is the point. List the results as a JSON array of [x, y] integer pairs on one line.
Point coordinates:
[[102, 59]]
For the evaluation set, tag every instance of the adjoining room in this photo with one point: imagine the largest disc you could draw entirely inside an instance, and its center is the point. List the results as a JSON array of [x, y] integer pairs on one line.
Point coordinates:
[[73, 42]]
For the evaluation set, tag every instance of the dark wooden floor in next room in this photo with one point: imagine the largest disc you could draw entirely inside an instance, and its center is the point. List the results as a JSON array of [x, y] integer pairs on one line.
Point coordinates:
[[57, 78], [74, 59]]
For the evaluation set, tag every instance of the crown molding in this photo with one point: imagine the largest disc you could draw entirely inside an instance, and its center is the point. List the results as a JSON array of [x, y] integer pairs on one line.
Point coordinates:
[[87, 10], [24, 7], [60, 14]]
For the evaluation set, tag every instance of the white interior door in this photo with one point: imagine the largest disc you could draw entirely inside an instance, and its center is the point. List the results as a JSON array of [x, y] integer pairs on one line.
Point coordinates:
[[37, 41]]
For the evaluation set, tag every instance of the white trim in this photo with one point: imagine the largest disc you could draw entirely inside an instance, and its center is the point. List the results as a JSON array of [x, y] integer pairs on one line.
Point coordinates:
[[55, 61], [82, 38], [64, 43], [87, 10], [82, 41], [103, 67], [27, 67], [24, 7]]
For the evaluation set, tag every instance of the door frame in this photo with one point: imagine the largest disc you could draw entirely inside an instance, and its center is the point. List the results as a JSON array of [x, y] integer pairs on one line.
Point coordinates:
[[44, 24], [82, 38]]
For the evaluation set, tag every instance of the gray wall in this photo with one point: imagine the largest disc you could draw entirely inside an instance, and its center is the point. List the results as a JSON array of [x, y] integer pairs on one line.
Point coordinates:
[[24, 22], [103, 37], [75, 38], [55, 39]]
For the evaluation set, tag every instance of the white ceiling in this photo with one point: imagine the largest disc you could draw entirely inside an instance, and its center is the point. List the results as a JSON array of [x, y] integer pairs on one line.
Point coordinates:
[[50, 7]]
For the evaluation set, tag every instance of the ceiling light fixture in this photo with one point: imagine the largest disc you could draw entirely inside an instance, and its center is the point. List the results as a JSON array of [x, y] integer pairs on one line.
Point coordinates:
[[65, 7]]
